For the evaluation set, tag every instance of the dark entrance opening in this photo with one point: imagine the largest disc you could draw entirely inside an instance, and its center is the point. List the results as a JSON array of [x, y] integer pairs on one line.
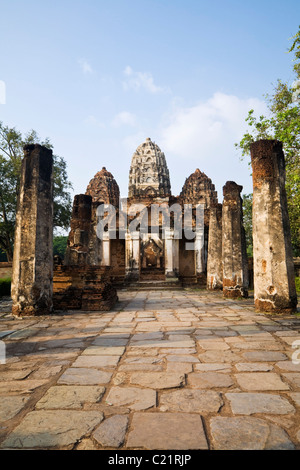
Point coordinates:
[[152, 261]]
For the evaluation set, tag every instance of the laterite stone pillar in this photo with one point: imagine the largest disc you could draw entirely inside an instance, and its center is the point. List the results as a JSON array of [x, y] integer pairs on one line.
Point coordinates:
[[234, 255], [214, 257], [32, 275], [274, 281]]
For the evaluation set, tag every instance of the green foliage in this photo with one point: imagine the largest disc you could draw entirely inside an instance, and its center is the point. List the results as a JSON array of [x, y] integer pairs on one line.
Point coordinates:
[[297, 282], [283, 123], [59, 246], [5, 286], [11, 154]]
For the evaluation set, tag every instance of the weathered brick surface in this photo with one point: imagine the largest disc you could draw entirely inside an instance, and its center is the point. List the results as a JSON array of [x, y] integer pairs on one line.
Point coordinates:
[[198, 188], [83, 288], [78, 240], [104, 189]]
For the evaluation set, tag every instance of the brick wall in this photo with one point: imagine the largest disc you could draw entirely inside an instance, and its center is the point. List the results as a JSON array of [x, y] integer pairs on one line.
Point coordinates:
[[83, 288]]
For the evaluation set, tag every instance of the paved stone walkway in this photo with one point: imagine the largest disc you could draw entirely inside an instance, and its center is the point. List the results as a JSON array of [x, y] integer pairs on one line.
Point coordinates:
[[165, 370]]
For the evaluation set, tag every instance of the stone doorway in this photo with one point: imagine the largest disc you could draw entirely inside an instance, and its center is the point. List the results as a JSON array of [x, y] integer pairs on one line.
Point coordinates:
[[187, 264], [152, 260]]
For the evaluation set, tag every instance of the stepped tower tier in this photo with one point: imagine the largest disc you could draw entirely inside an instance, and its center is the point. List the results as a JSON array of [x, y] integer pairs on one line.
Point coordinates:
[[198, 188], [149, 174], [104, 189]]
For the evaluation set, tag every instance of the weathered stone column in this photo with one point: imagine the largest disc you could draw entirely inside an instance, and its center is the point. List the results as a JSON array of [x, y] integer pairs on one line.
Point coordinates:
[[136, 243], [274, 281], [132, 255], [105, 261], [94, 242], [214, 257], [199, 243], [234, 255], [176, 253], [200, 255], [32, 277], [78, 241], [170, 271]]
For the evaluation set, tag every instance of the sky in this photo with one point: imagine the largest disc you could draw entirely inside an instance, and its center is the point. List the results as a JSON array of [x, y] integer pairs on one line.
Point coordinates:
[[98, 77]]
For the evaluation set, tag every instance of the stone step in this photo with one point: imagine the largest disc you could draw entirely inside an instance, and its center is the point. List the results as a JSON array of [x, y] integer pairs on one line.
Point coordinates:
[[154, 274], [145, 288], [150, 277], [153, 285]]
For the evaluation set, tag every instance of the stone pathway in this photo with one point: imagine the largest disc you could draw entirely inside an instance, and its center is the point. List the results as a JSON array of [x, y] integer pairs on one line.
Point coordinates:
[[165, 370]]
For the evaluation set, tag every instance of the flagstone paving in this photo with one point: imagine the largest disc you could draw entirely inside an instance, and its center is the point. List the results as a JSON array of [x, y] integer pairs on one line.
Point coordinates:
[[164, 370]]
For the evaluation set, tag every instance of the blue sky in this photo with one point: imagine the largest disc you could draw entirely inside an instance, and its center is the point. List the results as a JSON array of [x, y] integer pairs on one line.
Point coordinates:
[[99, 77]]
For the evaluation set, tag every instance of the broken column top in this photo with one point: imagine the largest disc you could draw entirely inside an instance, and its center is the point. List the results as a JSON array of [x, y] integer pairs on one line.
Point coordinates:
[[39, 153], [265, 146], [264, 154], [81, 207], [28, 148], [231, 189], [216, 205]]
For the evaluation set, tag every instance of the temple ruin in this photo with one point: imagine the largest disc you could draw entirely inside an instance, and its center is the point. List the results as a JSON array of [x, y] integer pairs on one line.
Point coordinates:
[[150, 233], [152, 238]]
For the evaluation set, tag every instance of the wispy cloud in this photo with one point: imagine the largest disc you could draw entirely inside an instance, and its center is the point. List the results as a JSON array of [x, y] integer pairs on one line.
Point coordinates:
[[124, 118], [94, 122], [140, 81], [85, 66], [208, 125], [203, 136]]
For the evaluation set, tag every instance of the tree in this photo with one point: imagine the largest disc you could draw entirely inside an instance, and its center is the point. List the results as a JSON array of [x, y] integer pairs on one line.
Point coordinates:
[[60, 246], [11, 154], [247, 221], [283, 123]]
